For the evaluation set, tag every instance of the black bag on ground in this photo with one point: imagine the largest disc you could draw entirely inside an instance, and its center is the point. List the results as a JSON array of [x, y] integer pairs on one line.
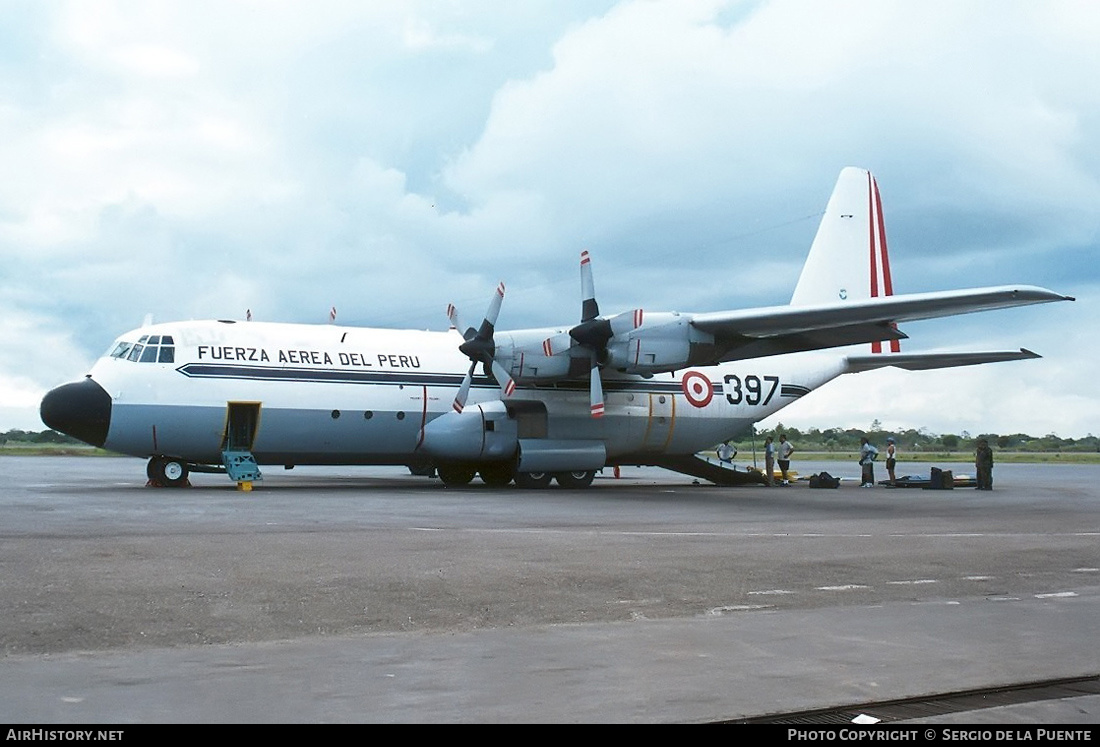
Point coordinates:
[[941, 479], [824, 480]]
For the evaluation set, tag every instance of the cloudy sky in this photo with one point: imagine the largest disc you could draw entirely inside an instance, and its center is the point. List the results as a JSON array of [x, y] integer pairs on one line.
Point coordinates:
[[197, 159]]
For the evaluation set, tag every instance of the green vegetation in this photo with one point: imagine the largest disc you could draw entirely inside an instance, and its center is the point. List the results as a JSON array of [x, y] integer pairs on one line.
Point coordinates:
[[32, 443], [912, 443], [966, 457], [922, 445]]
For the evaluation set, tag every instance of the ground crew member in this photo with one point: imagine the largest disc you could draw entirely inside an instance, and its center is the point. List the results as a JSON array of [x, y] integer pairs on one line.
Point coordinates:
[[769, 461], [983, 464], [784, 451]]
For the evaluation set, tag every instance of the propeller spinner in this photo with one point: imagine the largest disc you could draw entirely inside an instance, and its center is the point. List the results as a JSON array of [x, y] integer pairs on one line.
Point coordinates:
[[479, 347]]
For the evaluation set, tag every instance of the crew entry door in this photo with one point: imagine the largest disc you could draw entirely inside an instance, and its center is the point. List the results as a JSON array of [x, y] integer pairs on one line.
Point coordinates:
[[241, 423]]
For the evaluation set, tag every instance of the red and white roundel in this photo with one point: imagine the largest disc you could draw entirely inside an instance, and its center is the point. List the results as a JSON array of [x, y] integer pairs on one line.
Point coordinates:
[[697, 389]]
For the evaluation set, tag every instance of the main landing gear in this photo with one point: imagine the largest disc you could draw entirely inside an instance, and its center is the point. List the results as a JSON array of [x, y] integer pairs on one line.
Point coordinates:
[[500, 474], [167, 472]]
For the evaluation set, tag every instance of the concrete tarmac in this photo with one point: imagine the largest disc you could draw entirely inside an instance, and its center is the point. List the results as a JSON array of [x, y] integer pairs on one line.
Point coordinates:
[[370, 595]]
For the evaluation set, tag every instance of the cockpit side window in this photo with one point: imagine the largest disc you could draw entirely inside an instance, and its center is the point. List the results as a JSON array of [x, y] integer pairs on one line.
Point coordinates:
[[135, 353], [121, 350]]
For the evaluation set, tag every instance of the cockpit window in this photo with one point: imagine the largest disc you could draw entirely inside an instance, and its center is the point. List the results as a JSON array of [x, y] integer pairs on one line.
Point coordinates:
[[148, 349]]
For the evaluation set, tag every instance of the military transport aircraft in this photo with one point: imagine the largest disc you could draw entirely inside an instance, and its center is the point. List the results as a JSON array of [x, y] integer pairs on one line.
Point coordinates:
[[529, 406]]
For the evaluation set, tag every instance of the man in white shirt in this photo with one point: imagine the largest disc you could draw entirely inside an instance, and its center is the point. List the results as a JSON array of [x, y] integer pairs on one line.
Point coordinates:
[[783, 452]]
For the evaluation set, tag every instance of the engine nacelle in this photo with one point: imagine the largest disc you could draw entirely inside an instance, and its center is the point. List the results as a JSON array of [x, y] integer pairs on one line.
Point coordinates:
[[521, 355], [480, 433], [662, 344], [560, 455]]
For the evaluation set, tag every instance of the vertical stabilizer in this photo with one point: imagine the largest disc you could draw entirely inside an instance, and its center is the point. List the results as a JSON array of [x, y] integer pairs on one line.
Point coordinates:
[[848, 259]]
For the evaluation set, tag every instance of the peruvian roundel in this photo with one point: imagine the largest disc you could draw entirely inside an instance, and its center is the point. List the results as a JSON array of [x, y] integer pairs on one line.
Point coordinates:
[[697, 389]]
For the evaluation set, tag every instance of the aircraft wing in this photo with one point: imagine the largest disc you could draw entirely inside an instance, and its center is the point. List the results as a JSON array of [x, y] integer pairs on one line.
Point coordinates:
[[929, 361], [773, 330]]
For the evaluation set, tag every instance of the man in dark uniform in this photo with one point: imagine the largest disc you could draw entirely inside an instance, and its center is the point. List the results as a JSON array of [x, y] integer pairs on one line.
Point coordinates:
[[983, 463]]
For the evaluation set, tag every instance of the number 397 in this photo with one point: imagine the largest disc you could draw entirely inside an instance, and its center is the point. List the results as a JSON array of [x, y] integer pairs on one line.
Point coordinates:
[[752, 390]]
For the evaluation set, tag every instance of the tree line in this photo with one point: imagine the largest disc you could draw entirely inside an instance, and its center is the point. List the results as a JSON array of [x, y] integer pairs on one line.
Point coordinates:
[[16, 436], [921, 439]]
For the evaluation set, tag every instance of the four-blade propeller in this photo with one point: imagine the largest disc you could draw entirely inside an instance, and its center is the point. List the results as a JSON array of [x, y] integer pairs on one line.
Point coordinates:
[[480, 348], [593, 334]]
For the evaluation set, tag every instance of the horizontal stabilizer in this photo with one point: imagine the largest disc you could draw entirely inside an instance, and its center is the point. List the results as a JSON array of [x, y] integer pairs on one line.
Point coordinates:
[[929, 361]]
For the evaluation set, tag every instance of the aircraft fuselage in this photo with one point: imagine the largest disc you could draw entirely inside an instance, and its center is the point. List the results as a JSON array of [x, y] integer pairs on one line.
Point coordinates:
[[325, 394]]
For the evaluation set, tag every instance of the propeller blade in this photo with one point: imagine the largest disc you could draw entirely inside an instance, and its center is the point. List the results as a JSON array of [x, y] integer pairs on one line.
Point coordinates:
[[494, 305], [507, 385], [488, 324], [464, 389], [589, 308], [626, 321], [555, 344], [452, 315], [468, 333], [595, 386]]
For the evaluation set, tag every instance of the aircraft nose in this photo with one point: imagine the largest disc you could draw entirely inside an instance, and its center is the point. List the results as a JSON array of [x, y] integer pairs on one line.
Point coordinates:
[[81, 410]]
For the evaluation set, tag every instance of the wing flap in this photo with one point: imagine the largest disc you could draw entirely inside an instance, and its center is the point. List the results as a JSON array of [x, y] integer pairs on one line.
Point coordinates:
[[745, 347]]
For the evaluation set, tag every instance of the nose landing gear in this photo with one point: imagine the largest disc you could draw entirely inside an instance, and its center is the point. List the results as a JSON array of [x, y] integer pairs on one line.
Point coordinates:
[[166, 472]]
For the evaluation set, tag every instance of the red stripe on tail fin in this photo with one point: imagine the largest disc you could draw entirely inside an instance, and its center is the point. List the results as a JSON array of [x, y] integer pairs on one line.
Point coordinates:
[[879, 255]]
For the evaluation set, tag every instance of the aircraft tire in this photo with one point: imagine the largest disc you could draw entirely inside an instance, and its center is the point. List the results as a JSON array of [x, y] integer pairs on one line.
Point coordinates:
[[496, 475], [456, 475], [575, 480], [533, 480], [166, 471]]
